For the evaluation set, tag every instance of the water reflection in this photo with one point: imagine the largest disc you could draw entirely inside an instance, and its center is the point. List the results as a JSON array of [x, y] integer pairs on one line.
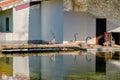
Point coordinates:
[[62, 66], [21, 65], [6, 66], [52, 58]]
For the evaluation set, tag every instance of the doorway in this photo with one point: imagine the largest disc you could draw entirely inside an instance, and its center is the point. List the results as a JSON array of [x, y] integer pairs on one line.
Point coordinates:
[[7, 24], [100, 30], [116, 36]]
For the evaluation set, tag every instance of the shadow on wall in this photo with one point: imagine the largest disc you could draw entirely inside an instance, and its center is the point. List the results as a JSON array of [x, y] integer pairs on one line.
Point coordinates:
[[34, 35]]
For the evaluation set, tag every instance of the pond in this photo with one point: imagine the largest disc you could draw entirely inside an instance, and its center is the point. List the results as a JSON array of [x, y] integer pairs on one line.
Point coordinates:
[[76, 65]]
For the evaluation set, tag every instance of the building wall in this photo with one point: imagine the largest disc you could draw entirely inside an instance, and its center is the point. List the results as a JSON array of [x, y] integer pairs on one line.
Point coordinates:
[[6, 35], [82, 23], [35, 22], [112, 27], [52, 20], [21, 24]]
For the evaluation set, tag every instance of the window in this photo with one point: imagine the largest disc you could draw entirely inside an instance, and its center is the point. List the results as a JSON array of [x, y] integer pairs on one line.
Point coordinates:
[[7, 24]]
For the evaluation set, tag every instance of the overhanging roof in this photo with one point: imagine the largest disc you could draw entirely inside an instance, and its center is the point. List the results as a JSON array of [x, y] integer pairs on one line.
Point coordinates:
[[8, 4]]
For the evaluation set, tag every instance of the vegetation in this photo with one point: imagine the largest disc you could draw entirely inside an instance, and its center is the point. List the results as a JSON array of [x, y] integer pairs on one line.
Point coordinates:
[[6, 69], [5, 66], [94, 76]]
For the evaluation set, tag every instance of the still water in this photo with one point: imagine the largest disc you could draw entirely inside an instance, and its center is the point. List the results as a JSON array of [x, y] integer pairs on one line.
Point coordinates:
[[62, 66]]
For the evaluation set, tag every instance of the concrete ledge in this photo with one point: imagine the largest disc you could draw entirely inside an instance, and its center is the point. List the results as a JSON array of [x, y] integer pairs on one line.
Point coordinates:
[[38, 47], [24, 42], [54, 47], [110, 49]]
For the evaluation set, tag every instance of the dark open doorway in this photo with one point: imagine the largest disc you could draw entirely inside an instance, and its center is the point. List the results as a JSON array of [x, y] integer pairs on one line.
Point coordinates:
[[116, 36], [100, 30], [100, 62], [7, 24]]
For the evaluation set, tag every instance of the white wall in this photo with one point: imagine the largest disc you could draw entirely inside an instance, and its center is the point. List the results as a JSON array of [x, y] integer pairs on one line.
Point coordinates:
[[5, 37], [111, 27], [52, 19], [35, 22], [20, 25], [82, 23]]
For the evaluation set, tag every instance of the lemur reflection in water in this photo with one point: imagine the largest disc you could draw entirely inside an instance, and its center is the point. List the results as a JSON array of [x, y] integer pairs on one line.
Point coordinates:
[[88, 59], [52, 58]]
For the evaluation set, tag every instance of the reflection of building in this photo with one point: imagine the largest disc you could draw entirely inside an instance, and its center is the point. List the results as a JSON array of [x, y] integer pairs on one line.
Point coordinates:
[[107, 63], [28, 66], [100, 62], [56, 67], [79, 64], [35, 67], [21, 65], [113, 65], [52, 70]]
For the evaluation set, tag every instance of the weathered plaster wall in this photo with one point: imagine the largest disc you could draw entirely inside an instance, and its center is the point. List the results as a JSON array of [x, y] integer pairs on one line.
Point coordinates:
[[52, 20], [111, 27], [21, 24], [82, 23]]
